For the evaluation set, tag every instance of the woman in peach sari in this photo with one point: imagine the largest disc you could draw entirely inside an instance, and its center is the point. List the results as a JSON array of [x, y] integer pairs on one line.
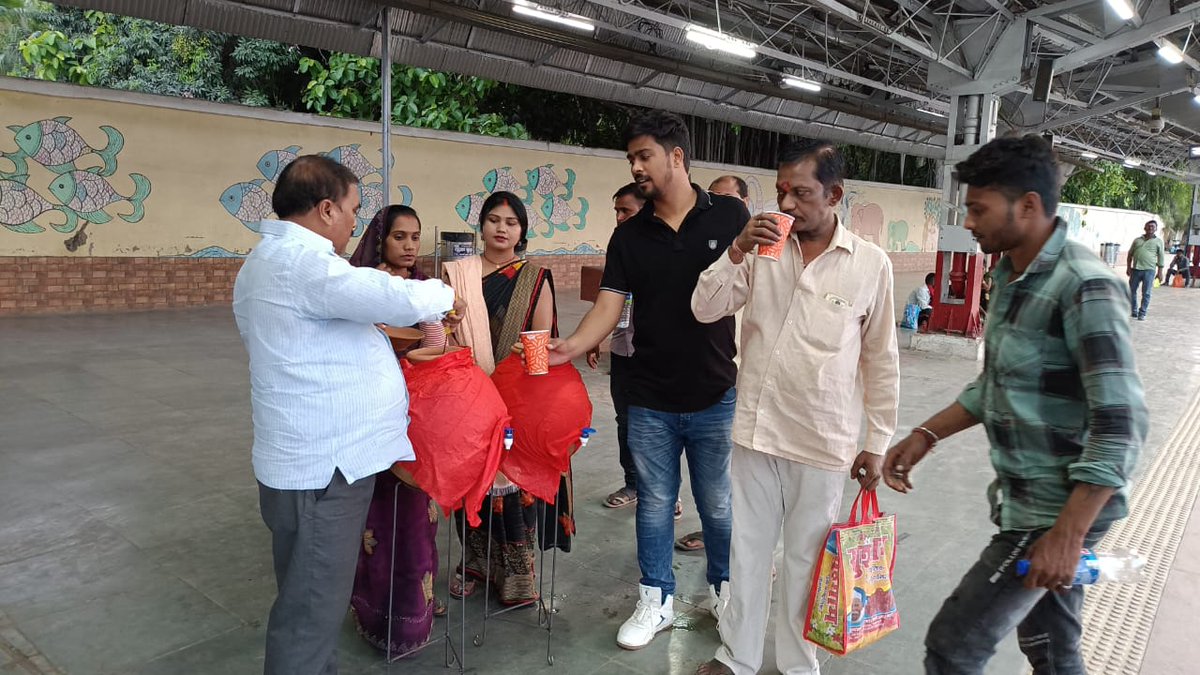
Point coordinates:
[[505, 295]]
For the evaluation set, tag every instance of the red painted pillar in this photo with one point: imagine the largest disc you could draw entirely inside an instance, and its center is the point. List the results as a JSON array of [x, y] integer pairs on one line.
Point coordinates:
[[956, 294]]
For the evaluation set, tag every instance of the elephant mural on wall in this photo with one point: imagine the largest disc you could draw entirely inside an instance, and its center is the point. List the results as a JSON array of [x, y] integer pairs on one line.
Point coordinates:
[[866, 220]]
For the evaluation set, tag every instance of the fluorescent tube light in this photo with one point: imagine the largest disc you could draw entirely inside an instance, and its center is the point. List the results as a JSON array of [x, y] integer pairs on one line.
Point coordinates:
[[1151, 173], [1130, 161], [1195, 151], [1168, 52], [1089, 155], [553, 15], [800, 83], [711, 39], [1123, 9]]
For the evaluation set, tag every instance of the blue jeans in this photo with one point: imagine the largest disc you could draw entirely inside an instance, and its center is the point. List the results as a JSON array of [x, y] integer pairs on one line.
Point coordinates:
[[1146, 279], [656, 440], [991, 601]]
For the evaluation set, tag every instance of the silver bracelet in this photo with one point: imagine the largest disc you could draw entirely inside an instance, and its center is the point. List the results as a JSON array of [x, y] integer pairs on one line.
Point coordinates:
[[929, 435]]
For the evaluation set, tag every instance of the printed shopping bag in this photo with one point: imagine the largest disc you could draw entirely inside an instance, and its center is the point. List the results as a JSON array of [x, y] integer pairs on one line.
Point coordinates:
[[850, 602], [912, 313]]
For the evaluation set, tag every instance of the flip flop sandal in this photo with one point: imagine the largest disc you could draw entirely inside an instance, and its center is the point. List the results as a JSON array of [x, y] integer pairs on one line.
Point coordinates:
[[678, 510], [462, 588], [439, 608], [690, 542], [621, 498]]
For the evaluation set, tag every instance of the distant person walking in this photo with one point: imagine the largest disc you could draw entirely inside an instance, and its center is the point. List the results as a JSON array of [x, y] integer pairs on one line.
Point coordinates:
[[1144, 265]]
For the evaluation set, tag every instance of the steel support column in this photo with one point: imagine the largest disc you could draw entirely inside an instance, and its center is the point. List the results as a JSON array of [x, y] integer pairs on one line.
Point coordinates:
[[385, 95], [959, 261]]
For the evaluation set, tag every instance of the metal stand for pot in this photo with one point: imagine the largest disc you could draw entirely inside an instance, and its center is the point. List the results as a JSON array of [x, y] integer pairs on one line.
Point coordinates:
[[546, 608], [453, 655]]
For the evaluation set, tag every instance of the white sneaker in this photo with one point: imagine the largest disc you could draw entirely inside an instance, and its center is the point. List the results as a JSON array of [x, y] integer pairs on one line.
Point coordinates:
[[650, 617], [720, 600]]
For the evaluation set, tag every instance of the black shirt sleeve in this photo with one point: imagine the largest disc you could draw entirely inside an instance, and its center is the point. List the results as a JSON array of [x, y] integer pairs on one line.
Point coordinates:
[[615, 278]]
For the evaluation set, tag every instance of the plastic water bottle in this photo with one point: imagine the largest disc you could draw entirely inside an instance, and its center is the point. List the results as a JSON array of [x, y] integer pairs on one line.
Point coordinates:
[[1122, 566], [626, 311]]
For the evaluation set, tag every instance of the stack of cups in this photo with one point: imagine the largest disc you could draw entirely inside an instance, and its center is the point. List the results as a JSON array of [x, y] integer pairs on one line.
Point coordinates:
[[434, 335], [784, 222], [537, 351]]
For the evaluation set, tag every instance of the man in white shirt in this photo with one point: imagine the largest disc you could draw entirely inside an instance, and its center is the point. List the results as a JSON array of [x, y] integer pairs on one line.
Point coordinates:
[[817, 322], [329, 403], [922, 298]]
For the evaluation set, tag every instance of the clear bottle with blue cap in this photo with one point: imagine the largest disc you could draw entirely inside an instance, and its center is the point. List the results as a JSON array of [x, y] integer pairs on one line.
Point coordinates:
[[1122, 566]]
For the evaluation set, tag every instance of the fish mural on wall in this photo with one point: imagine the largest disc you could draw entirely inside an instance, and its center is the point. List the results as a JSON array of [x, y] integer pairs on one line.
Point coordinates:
[[273, 162], [545, 182], [56, 146], [352, 158], [501, 180], [20, 205], [549, 199], [250, 201], [78, 179]]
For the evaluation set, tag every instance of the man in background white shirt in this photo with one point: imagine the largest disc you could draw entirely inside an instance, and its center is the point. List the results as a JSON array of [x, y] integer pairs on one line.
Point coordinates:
[[329, 403], [922, 298], [817, 322]]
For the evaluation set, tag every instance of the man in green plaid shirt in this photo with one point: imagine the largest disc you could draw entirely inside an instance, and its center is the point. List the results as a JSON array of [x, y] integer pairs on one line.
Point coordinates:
[[1063, 407]]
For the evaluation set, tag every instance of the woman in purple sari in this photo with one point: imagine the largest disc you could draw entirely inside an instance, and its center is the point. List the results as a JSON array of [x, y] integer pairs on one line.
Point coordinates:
[[391, 244]]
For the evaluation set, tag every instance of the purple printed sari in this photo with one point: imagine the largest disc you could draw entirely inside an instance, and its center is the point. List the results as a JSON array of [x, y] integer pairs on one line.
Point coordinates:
[[412, 532]]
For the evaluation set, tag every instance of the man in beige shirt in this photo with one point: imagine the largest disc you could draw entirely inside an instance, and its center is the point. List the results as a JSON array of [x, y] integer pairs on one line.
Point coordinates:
[[818, 350]]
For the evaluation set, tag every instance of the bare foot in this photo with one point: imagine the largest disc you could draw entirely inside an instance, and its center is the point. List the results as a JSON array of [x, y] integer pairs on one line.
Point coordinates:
[[714, 667]]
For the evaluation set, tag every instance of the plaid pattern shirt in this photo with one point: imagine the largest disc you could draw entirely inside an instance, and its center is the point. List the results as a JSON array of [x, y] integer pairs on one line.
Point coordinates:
[[1059, 394]]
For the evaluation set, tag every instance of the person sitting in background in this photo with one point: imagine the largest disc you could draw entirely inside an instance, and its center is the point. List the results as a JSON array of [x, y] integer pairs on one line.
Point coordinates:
[[1182, 266], [921, 298]]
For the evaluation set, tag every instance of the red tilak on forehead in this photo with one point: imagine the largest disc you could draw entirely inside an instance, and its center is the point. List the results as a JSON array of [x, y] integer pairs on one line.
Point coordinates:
[[786, 186]]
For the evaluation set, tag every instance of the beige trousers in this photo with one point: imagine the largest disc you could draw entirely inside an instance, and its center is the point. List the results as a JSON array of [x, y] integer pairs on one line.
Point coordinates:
[[773, 496]]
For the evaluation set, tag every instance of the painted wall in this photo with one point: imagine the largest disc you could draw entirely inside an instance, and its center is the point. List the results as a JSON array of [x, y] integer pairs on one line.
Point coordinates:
[[1096, 225], [88, 172]]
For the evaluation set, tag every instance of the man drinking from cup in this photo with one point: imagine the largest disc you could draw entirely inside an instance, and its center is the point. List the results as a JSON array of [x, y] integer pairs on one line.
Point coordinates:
[[818, 317]]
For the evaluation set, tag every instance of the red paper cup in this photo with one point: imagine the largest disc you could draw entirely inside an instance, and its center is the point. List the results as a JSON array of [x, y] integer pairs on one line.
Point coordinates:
[[784, 222], [537, 351], [434, 334]]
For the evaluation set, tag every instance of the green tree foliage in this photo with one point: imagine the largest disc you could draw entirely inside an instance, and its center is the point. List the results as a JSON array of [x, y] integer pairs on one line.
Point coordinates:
[[1111, 185], [105, 50], [343, 85], [1120, 187]]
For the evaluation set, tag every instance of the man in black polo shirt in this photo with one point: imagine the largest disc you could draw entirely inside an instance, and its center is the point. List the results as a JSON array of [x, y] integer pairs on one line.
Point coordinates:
[[681, 394]]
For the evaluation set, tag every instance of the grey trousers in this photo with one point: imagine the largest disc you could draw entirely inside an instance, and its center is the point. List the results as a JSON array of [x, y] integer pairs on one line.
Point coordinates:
[[315, 538]]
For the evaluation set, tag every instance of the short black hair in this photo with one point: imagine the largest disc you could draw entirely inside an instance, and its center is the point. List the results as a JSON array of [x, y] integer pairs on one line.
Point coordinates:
[[831, 166], [629, 190], [1015, 166], [514, 202], [667, 129], [307, 181], [743, 189], [930, 278]]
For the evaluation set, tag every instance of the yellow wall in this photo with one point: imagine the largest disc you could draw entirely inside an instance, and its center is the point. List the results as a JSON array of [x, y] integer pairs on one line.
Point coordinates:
[[191, 156]]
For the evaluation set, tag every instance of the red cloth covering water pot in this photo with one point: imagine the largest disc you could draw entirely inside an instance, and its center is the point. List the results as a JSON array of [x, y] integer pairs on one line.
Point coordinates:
[[457, 422], [549, 413]]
